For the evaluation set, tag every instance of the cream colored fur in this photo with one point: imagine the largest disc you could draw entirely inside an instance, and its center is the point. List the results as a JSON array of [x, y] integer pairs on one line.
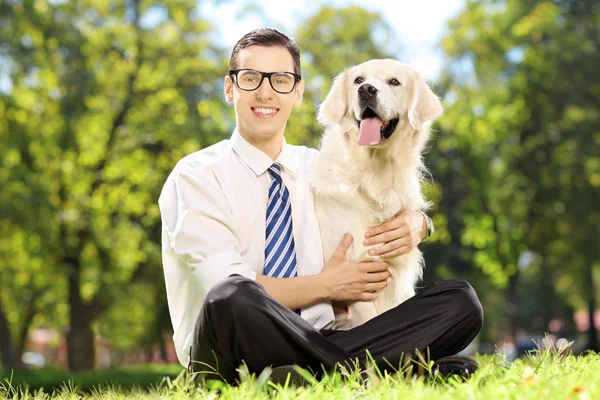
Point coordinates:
[[359, 187]]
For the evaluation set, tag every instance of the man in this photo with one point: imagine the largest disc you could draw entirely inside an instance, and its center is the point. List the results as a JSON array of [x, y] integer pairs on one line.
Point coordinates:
[[242, 252]]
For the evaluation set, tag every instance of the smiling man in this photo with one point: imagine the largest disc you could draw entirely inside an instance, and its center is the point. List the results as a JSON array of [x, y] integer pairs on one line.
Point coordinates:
[[242, 253]]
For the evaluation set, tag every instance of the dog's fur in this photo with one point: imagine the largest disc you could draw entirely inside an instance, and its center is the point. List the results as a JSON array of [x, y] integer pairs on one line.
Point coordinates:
[[357, 187]]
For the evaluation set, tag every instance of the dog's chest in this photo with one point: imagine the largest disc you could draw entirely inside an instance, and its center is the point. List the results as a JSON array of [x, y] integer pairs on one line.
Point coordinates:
[[381, 205], [350, 213]]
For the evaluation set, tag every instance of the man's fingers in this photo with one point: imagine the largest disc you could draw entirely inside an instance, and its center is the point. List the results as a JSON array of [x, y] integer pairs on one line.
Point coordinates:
[[368, 296], [383, 227], [342, 249], [394, 223], [375, 266], [390, 246], [397, 252], [378, 276], [387, 236], [375, 286]]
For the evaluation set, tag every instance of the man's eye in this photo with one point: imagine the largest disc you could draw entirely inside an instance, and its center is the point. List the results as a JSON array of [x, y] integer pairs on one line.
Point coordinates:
[[359, 80]]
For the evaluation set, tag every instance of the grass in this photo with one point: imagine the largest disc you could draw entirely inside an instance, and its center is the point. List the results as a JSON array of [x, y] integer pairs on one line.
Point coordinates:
[[130, 376], [548, 374]]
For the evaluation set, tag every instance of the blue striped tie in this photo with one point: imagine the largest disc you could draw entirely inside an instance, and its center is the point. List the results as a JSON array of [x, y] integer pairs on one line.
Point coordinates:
[[280, 251]]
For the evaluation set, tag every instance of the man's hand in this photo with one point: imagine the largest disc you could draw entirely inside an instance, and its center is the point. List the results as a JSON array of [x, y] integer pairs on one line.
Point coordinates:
[[349, 281], [399, 235]]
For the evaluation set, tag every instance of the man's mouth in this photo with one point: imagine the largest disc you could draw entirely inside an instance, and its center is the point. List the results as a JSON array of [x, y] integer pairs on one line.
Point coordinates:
[[264, 112], [373, 129]]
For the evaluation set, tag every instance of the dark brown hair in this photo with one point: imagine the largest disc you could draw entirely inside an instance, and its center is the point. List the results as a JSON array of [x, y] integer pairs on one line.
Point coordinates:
[[266, 37]]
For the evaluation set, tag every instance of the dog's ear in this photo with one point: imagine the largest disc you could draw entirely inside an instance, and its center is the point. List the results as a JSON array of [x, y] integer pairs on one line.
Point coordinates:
[[424, 105], [335, 105]]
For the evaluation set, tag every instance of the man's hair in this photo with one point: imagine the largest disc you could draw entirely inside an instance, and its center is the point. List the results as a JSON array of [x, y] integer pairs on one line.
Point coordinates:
[[266, 37]]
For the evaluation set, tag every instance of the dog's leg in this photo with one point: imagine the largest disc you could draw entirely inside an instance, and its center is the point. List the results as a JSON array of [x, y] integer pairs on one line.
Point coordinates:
[[360, 312]]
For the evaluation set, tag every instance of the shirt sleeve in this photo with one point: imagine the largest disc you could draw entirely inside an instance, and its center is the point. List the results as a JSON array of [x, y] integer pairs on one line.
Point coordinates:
[[200, 226]]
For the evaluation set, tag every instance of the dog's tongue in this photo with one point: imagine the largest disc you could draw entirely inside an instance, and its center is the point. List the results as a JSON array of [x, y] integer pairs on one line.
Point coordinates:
[[370, 134]]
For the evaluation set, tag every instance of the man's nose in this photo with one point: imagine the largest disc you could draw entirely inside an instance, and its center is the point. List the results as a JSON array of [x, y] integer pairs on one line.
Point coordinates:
[[367, 91], [265, 90]]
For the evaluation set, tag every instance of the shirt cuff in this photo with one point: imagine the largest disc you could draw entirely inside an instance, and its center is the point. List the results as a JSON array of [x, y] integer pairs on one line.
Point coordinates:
[[319, 315]]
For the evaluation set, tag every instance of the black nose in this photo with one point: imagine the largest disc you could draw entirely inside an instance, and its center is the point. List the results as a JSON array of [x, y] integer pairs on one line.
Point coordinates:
[[367, 91]]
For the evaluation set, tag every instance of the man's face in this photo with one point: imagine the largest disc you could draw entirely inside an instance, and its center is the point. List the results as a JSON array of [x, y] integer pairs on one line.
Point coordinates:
[[262, 114]]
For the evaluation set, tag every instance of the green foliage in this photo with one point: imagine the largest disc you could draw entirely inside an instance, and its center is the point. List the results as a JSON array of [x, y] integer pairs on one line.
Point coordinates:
[[101, 108], [520, 136]]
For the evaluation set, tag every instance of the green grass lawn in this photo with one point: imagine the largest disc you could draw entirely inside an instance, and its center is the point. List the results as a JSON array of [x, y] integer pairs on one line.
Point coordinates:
[[541, 375], [130, 376]]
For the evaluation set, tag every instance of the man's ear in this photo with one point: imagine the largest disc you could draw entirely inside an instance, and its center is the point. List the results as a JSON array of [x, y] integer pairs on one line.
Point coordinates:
[[299, 93], [335, 105], [424, 105], [228, 89]]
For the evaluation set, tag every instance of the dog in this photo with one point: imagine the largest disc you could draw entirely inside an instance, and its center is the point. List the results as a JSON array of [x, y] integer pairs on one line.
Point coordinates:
[[376, 120]]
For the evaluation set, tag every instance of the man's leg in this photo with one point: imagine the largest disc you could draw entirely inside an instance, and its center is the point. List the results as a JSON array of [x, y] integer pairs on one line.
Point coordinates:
[[239, 322], [438, 322]]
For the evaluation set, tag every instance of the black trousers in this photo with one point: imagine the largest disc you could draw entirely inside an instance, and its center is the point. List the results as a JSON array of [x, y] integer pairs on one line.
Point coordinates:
[[239, 322]]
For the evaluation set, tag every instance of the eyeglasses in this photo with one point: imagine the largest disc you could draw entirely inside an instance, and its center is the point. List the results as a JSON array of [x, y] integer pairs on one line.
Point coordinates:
[[249, 79]]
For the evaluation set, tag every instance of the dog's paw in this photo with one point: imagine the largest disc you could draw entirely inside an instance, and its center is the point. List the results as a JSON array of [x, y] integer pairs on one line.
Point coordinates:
[[340, 309]]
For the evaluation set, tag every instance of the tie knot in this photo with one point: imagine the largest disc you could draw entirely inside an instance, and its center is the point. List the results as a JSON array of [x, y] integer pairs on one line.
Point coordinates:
[[275, 171]]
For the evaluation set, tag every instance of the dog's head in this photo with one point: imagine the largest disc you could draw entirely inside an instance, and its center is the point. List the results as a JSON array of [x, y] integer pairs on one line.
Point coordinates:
[[377, 99]]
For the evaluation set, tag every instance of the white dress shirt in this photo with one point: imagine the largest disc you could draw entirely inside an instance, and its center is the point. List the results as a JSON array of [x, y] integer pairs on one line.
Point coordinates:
[[213, 207]]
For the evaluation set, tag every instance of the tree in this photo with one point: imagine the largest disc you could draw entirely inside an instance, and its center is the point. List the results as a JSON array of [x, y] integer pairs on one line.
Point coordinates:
[[105, 98], [520, 130]]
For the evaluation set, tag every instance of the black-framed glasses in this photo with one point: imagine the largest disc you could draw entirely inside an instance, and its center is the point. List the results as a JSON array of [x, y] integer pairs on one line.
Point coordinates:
[[249, 79]]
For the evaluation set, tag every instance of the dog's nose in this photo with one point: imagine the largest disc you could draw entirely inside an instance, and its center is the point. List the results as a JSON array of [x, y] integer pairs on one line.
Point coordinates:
[[367, 91]]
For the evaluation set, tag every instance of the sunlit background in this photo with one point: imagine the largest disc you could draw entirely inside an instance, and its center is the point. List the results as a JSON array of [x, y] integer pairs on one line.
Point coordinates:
[[99, 100]]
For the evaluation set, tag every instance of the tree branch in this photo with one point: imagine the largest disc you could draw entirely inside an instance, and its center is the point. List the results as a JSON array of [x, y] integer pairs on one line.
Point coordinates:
[[103, 299], [120, 117], [7, 351], [30, 313]]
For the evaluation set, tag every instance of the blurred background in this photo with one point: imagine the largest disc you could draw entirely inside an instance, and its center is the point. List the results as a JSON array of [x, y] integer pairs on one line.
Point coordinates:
[[99, 99]]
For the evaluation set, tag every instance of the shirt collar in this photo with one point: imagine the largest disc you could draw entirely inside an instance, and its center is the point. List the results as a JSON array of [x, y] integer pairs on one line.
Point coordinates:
[[258, 161]]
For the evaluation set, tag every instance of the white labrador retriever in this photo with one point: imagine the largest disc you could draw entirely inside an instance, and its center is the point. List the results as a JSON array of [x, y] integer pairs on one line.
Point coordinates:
[[377, 117]]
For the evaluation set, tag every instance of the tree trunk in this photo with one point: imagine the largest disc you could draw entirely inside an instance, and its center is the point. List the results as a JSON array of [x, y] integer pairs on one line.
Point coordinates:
[[592, 332], [148, 354], [7, 351], [163, 349], [547, 290], [30, 313], [81, 352], [512, 303]]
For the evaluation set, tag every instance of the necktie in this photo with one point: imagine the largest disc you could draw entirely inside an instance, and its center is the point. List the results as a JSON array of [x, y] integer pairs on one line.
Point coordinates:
[[280, 251]]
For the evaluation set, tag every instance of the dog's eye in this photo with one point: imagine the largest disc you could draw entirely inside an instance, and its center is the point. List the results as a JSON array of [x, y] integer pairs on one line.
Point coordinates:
[[359, 80], [394, 82]]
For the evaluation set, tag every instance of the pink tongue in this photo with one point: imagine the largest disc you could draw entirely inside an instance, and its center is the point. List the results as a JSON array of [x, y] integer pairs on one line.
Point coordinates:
[[370, 134]]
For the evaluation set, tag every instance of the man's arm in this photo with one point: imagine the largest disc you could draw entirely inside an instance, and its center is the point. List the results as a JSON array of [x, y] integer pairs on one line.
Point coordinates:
[[197, 223], [298, 292], [340, 280], [199, 228], [397, 236], [428, 228]]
